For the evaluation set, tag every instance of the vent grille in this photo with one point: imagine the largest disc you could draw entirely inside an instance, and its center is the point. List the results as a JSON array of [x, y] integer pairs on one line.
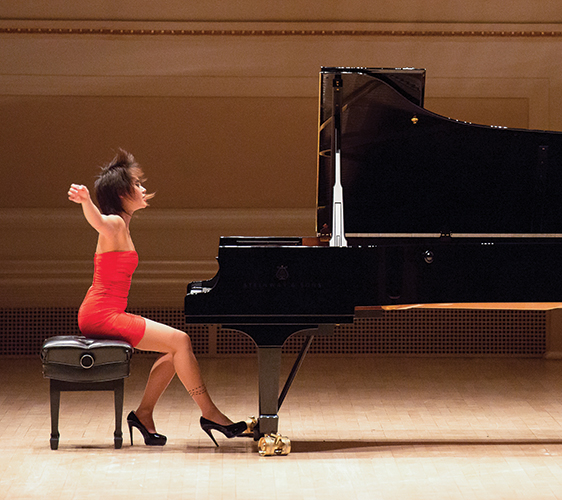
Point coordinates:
[[410, 332], [445, 332]]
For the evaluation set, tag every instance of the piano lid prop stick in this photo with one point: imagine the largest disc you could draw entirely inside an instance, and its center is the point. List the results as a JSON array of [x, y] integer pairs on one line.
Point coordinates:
[[338, 232]]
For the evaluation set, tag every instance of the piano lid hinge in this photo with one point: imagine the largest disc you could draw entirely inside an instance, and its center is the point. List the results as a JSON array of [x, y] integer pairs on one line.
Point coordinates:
[[445, 234]]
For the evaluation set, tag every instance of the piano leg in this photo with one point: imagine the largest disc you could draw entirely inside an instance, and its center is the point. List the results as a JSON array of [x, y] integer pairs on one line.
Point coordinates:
[[269, 367]]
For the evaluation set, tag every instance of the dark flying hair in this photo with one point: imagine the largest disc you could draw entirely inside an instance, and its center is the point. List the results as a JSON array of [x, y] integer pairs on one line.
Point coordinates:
[[116, 181]]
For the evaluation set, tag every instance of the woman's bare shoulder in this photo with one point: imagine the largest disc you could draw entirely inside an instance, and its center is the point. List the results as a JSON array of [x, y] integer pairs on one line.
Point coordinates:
[[115, 221]]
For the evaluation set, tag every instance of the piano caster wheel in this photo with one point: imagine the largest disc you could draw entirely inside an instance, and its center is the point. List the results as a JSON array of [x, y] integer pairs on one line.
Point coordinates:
[[274, 444]]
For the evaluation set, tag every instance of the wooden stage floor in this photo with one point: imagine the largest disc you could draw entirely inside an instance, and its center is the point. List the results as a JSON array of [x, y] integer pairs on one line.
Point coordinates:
[[361, 428]]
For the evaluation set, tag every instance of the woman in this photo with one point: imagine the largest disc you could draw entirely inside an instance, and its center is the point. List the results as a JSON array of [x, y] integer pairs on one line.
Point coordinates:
[[120, 193]]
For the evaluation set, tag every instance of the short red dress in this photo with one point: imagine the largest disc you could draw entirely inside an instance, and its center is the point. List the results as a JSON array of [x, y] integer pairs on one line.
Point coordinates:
[[102, 313]]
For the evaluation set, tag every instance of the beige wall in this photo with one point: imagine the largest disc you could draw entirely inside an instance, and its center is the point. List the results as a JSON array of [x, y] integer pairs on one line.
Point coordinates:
[[223, 121]]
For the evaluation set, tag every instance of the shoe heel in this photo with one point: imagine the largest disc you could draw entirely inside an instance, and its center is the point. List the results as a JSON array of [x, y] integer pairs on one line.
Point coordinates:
[[131, 432], [208, 431]]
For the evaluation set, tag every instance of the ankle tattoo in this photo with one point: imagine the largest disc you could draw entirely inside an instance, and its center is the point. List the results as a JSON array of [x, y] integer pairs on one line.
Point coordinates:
[[197, 391]]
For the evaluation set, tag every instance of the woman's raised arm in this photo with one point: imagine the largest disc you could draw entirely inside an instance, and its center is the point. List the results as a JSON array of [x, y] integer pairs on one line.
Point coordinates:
[[103, 224]]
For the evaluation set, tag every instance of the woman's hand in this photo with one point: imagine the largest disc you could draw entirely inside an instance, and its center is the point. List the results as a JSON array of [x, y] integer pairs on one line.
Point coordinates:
[[78, 193]]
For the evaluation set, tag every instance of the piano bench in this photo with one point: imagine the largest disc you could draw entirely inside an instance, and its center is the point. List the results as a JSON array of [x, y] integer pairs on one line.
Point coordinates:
[[76, 363]]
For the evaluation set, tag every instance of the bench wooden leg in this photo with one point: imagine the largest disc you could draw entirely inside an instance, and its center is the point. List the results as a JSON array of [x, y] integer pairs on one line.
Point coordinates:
[[118, 388], [55, 404], [119, 392]]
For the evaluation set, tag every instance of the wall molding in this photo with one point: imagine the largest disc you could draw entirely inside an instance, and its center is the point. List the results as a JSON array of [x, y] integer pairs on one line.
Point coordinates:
[[297, 32], [46, 255], [278, 29]]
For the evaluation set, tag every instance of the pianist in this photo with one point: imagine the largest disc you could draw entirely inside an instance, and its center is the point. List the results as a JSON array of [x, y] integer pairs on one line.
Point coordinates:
[[120, 193]]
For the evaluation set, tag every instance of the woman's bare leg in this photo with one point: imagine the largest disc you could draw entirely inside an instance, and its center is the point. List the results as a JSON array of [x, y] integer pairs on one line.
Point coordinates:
[[160, 377], [163, 338]]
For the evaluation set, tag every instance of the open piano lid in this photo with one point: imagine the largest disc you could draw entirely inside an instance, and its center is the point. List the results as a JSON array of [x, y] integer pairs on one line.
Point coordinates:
[[406, 170]]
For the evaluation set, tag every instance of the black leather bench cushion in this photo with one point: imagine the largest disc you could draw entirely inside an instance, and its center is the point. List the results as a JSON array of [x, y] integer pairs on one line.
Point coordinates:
[[80, 359]]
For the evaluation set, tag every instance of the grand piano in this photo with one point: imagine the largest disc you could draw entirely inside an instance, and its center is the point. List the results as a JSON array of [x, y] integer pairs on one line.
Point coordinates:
[[414, 210]]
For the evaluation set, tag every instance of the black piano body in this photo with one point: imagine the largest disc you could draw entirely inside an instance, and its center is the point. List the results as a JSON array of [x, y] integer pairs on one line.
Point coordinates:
[[434, 211]]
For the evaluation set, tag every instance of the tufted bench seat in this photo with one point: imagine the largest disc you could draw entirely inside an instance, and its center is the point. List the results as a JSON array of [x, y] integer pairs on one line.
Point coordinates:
[[76, 363]]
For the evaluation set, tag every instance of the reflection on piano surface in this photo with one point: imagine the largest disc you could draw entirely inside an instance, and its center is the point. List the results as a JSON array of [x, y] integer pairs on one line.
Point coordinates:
[[413, 209]]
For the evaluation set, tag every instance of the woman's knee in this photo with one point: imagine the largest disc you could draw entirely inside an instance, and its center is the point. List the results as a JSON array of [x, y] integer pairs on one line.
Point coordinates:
[[167, 338], [183, 340], [178, 340]]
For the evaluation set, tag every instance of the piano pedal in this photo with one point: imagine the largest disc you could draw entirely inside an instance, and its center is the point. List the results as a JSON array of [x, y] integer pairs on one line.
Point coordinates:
[[274, 444]]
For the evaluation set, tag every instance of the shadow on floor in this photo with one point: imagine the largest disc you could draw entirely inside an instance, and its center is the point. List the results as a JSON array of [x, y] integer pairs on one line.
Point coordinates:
[[357, 446]]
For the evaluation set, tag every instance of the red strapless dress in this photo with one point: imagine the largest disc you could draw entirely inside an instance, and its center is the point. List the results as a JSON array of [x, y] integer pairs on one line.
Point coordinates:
[[102, 313]]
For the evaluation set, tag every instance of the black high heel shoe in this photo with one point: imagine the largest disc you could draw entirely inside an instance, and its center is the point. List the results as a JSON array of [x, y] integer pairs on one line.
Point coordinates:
[[150, 439], [229, 431]]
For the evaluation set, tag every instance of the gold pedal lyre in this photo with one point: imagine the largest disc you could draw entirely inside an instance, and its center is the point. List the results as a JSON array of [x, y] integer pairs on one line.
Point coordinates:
[[274, 444]]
